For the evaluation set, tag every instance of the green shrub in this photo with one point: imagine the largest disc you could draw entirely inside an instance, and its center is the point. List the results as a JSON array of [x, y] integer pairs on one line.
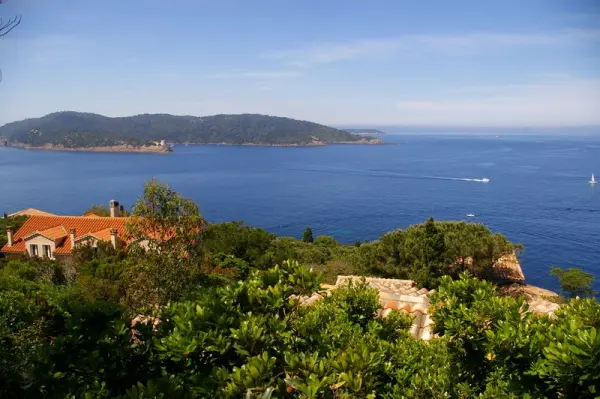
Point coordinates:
[[359, 300]]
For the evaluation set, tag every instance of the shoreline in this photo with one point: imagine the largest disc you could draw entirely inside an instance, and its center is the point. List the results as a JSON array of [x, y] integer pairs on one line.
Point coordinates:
[[313, 144], [163, 150], [117, 148]]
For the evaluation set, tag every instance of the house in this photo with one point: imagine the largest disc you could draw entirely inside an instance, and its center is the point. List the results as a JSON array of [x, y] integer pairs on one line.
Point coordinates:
[[162, 143], [31, 212], [405, 296], [54, 236], [402, 295]]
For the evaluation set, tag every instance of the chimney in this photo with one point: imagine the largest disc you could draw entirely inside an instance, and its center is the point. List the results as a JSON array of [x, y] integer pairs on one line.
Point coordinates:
[[72, 235], [113, 238], [9, 236], [115, 211]]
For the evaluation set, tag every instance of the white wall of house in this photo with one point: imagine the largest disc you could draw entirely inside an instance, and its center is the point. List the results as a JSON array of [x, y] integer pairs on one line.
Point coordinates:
[[40, 241], [91, 241]]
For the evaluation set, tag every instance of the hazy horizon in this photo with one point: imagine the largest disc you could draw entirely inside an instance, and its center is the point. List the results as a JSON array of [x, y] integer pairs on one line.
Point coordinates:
[[415, 129], [479, 130]]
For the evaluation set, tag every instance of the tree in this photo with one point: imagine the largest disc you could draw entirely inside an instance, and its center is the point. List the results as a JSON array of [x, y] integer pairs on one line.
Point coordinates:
[[168, 229], [7, 26], [13, 222], [244, 242], [574, 281], [98, 210], [308, 235], [431, 259], [102, 210]]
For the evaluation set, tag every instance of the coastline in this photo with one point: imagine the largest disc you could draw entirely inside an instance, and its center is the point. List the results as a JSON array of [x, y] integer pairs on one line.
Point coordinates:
[[373, 141], [116, 148], [311, 144], [164, 150]]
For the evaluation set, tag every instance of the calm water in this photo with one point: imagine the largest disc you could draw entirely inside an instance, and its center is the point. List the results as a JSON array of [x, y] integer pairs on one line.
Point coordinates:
[[538, 194]]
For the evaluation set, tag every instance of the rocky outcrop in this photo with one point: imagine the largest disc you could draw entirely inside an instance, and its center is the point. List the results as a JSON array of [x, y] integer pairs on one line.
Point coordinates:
[[507, 269], [540, 300]]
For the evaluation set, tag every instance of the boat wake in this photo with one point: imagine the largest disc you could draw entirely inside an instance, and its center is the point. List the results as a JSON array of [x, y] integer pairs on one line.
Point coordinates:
[[484, 180], [370, 173]]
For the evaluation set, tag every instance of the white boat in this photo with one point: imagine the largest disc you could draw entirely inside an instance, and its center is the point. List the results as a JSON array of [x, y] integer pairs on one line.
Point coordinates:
[[593, 181], [485, 180], [471, 215]]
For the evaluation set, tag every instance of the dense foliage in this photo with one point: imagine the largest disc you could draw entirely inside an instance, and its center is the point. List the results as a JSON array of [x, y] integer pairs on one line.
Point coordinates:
[[74, 129], [422, 252], [574, 282], [98, 210], [251, 338], [214, 312]]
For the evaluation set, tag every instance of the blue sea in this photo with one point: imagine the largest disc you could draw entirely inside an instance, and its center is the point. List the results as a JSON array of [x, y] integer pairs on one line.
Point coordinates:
[[538, 194]]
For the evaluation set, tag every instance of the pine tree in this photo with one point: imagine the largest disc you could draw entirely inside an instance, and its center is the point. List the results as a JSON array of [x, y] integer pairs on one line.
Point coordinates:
[[308, 235]]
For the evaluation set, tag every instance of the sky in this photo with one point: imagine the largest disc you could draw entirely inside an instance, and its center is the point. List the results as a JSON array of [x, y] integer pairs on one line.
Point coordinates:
[[399, 62]]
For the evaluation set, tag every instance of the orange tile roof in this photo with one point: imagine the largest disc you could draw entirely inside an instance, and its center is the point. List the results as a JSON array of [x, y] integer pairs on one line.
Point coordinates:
[[103, 234], [91, 215], [31, 212], [53, 233], [83, 225]]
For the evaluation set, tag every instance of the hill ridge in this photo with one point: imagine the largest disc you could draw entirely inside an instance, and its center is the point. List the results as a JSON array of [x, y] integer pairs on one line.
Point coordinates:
[[73, 129]]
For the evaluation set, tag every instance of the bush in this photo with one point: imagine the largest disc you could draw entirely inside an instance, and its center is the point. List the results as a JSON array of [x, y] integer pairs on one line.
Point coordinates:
[[334, 268], [251, 338], [359, 301], [501, 347], [427, 251], [243, 242], [574, 282]]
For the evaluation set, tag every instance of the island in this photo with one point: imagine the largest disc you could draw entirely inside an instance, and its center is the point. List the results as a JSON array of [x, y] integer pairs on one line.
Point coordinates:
[[77, 131]]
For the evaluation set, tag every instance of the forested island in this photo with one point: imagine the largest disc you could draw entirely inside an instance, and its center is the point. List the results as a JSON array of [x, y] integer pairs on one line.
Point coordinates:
[[220, 311], [86, 131]]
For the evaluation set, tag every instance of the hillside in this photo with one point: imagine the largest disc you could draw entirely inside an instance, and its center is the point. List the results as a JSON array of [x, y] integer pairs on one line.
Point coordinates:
[[73, 129]]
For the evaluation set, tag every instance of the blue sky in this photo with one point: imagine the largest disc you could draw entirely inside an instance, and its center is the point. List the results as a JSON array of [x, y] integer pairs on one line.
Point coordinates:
[[398, 62]]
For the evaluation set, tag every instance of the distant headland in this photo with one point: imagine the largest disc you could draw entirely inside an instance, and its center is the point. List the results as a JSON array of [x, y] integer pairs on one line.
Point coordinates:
[[365, 131], [77, 131]]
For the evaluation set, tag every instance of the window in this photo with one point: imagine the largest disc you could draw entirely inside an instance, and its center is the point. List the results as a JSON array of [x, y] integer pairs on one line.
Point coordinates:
[[47, 251], [33, 250]]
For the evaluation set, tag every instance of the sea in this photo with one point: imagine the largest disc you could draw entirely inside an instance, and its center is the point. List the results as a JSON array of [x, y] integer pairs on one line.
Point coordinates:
[[538, 193]]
